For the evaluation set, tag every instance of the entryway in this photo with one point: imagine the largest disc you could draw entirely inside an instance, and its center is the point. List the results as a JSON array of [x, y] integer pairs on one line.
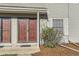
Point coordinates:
[[18, 35], [22, 34]]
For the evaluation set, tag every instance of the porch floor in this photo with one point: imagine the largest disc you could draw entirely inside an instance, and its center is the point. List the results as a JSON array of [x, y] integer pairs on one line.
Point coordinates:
[[18, 51], [57, 51]]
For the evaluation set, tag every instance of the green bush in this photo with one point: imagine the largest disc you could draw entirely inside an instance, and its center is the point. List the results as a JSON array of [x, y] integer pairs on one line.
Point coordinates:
[[51, 37]]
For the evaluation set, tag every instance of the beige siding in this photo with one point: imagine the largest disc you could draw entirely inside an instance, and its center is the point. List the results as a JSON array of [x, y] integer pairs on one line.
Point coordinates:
[[74, 22]]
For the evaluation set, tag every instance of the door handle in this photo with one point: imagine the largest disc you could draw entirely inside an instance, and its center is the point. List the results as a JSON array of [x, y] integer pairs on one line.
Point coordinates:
[[26, 30]]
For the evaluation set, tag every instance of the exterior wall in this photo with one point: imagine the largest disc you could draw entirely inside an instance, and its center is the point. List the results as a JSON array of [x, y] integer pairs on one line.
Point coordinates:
[[61, 11], [58, 11], [74, 22]]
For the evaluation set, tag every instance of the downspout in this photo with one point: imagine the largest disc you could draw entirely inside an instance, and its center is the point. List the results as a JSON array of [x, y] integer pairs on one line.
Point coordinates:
[[68, 22]]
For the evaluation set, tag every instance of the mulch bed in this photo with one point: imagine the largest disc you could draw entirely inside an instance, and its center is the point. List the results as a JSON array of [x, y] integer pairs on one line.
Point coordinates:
[[57, 51]]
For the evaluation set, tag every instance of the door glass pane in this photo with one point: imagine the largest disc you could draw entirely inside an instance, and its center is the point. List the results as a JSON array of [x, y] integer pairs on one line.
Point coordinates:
[[32, 30], [22, 22], [6, 30]]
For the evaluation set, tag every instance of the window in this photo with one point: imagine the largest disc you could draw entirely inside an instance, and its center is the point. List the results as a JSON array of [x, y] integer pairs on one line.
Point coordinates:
[[58, 24], [5, 30]]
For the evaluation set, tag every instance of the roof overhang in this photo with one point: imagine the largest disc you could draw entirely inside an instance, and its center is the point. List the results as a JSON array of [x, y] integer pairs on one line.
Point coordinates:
[[20, 9]]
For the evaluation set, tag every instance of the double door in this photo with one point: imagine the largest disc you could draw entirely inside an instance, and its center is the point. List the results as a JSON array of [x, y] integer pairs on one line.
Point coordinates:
[[27, 30]]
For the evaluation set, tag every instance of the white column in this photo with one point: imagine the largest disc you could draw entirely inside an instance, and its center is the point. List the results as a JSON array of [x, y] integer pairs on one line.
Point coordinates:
[[50, 22], [38, 21], [0, 30], [14, 32], [65, 22], [65, 25]]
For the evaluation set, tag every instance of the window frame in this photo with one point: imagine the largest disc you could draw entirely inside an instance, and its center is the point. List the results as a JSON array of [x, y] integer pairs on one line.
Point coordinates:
[[58, 19]]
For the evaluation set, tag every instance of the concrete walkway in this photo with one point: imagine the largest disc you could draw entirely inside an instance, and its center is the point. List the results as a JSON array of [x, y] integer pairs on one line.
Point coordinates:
[[20, 51]]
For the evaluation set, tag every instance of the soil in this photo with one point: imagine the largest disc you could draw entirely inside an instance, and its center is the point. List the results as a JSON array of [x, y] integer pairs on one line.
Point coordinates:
[[57, 51]]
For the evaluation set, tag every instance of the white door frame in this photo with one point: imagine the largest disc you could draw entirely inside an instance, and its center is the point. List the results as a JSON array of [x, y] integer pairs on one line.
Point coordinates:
[[38, 29]]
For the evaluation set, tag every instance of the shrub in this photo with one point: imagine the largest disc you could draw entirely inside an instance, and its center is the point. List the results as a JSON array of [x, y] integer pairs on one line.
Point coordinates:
[[51, 37]]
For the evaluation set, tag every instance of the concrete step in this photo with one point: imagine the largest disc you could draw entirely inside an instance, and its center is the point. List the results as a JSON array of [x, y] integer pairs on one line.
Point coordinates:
[[19, 50]]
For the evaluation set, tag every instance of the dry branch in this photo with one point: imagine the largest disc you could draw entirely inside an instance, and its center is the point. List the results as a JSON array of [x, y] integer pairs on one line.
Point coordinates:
[[73, 43], [69, 48]]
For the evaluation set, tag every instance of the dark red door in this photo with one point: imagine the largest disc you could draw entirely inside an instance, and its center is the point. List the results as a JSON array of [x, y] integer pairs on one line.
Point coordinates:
[[32, 30], [22, 30], [5, 30], [27, 30]]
